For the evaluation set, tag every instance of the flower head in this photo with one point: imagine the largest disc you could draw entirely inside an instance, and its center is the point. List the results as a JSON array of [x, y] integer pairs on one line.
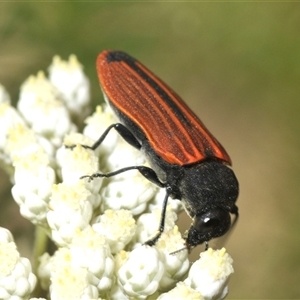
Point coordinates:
[[117, 226], [16, 277], [140, 275], [210, 274], [181, 291], [98, 218], [71, 82]]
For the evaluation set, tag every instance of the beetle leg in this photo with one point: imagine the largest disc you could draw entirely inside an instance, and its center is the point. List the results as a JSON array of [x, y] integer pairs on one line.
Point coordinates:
[[147, 172], [123, 132], [161, 228], [150, 175]]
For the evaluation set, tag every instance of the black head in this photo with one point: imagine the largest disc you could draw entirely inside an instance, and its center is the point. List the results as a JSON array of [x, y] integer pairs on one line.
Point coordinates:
[[209, 191]]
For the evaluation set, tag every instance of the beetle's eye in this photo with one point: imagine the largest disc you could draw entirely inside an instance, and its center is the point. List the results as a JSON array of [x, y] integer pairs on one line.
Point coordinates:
[[205, 223], [212, 221]]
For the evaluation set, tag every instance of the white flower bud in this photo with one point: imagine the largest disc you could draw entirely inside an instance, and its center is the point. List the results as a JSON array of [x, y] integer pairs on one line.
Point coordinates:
[[125, 155], [44, 270], [43, 109], [140, 275], [148, 223], [90, 250], [209, 275], [68, 281], [16, 279], [82, 271], [77, 162], [9, 118], [33, 183], [118, 227], [71, 82], [131, 193], [70, 210], [181, 291], [176, 265], [117, 293], [22, 141]]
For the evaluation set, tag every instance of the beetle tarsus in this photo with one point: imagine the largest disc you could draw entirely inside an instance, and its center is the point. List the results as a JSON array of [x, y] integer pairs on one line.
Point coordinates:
[[154, 240], [89, 177]]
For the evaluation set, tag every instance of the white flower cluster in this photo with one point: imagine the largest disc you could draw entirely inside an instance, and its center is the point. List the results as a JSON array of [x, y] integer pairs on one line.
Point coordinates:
[[98, 226], [16, 278]]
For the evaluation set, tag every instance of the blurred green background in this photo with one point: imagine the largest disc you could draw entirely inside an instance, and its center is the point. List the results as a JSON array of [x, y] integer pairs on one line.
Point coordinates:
[[236, 64]]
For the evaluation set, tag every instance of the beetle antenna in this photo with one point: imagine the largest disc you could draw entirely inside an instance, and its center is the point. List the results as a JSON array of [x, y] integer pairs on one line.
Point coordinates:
[[179, 250]]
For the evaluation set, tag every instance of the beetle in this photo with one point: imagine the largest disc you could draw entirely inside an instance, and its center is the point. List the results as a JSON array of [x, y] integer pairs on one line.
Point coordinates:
[[184, 157]]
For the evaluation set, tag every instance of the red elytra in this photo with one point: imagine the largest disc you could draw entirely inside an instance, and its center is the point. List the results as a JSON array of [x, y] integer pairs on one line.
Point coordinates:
[[173, 131]]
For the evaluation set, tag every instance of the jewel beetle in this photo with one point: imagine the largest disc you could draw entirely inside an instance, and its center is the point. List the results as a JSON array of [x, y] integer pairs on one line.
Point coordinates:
[[184, 157]]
